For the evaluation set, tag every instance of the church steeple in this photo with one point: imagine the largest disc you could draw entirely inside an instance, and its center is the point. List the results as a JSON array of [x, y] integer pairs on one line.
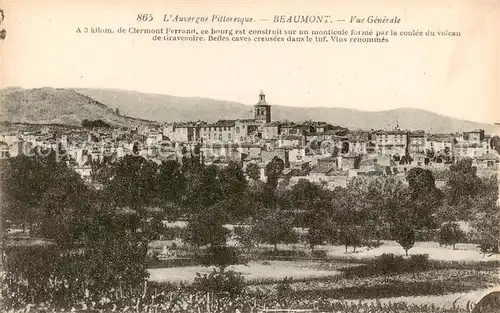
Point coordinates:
[[262, 110]]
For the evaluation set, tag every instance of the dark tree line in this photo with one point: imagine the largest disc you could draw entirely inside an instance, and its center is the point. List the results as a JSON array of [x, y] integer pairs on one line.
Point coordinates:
[[95, 124], [111, 227]]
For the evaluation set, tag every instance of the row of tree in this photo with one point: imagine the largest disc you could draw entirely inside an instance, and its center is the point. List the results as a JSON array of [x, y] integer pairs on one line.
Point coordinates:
[[46, 197]]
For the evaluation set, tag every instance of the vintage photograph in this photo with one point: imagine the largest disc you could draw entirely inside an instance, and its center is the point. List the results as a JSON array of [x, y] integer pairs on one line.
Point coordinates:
[[259, 157]]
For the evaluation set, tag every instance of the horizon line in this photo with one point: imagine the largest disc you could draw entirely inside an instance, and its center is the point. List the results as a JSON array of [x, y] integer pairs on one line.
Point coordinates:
[[492, 123]]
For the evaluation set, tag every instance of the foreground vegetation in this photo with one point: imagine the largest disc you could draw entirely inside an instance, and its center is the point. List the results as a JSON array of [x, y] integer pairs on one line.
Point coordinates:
[[93, 251], [167, 298]]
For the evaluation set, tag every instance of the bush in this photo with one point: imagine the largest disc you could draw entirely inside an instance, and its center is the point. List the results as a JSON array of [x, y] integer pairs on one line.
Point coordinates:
[[418, 263], [220, 256], [220, 282], [271, 254], [284, 288], [321, 254], [388, 263]]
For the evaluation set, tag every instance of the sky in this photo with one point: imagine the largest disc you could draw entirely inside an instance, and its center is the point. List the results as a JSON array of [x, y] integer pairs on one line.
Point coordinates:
[[455, 76]]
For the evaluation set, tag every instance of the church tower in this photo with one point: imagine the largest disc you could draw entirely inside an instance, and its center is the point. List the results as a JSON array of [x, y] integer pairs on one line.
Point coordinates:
[[262, 110]]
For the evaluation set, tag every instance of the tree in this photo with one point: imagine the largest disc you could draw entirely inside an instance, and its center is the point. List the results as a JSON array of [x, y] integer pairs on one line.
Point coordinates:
[[273, 171], [281, 231], [450, 234], [97, 247], [486, 217], [317, 234], [405, 236], [100, 170], [463, 183], [253, 171], [425, 197], [45, 195], [495, 143], [245, 236], [206, 228], [171, 182], [133, 183], [233, 182], [304, 195], [317, 220], [350, 215], [234, 192], [20, 192], [203, 187]]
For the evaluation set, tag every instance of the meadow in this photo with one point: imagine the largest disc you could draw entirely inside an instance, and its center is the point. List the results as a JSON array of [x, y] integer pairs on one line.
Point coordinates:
[[455, 279]]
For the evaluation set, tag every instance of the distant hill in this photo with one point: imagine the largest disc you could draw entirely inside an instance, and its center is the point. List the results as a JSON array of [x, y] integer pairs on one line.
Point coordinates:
[[72, 106], [169, 108], [56, 106]]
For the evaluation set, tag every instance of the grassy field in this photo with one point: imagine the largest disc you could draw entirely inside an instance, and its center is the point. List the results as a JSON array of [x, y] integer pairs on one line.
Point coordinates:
[[254, 271], [459, 277]]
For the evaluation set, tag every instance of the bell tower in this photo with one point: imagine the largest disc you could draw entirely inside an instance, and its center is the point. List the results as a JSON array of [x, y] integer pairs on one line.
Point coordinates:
[[262, 110]]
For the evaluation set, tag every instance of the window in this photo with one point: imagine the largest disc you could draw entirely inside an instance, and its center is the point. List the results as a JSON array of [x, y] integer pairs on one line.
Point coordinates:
[[220, 137], [237, 130], [229, 136]]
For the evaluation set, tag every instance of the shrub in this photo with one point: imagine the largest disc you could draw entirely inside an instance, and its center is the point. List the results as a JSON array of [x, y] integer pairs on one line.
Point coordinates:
[[418, 263], [284, 288], [283, 254], [220, 256], [388, 263], [220, 282], [319, 254]]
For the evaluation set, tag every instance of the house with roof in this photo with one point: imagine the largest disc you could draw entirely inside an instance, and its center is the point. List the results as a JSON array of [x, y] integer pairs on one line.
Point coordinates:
[[290, 141], [392, 143], [474, 136], [487, 161]]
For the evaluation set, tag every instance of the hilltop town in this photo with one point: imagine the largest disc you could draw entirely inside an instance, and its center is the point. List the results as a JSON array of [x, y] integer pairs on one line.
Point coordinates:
[[312, 150]]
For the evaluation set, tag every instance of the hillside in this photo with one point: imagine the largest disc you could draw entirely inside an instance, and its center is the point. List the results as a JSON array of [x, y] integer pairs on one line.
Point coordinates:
[[170, 108], [56, 106], [70, 107]]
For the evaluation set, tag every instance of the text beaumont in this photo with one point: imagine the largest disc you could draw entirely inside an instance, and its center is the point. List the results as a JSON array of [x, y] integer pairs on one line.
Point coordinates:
[[297, 19]]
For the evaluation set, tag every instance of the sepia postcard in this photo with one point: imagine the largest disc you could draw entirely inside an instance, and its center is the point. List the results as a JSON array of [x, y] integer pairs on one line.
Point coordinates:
[[249, 156]]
